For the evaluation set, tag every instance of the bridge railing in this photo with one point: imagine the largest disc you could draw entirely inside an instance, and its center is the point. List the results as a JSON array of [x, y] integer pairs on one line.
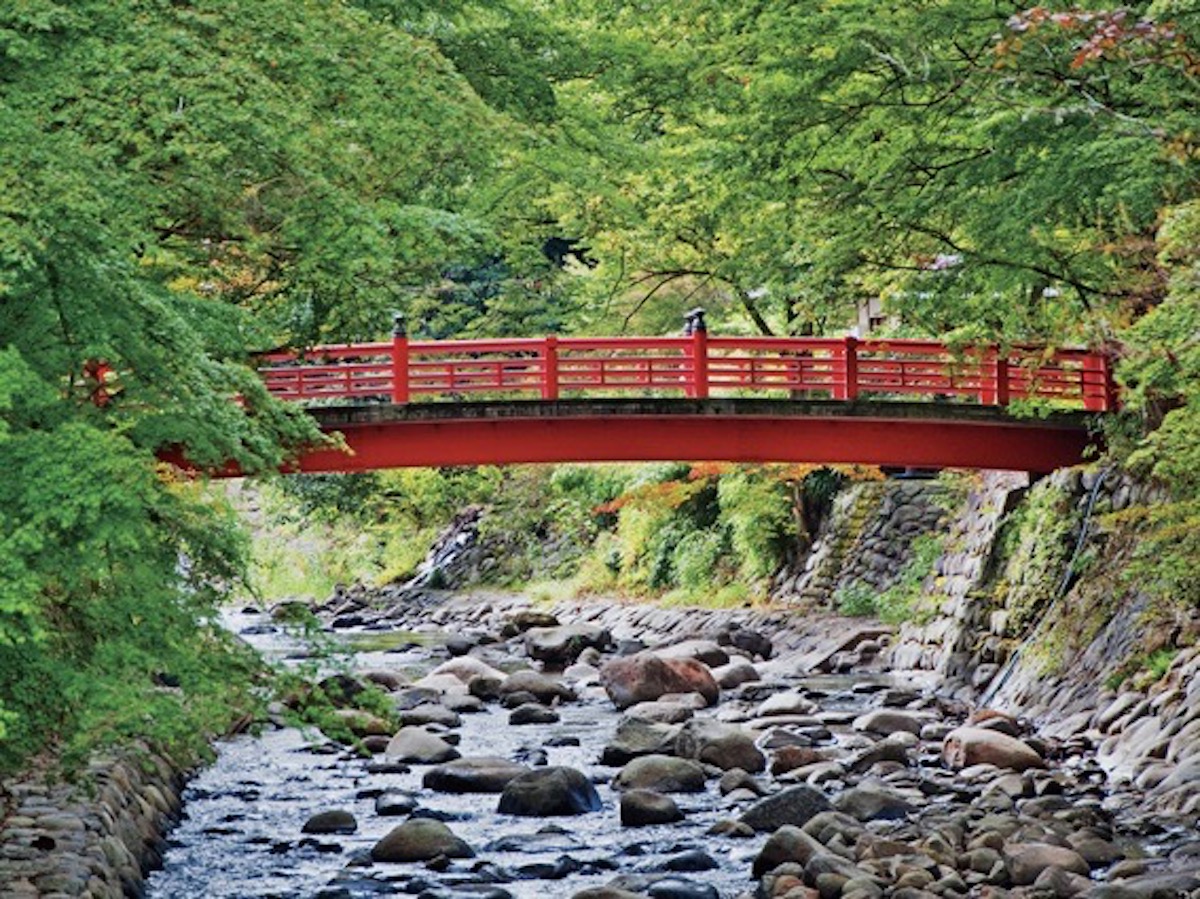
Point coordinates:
[[696, 365]]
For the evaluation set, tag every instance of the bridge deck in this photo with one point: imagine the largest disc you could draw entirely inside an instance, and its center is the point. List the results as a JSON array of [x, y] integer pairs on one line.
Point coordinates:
[[934, 435]]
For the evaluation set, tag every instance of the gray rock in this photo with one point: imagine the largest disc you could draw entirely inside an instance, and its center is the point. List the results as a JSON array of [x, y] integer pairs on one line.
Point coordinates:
[[332, 821], [786, 704], [794, 806], [788, 844], [724, 745], [640, 808], [549, 791], [430, 713], [889, 721], [560, 646], [1026, 861], [705, 651], [479, 774], [661, 712], [533, 713], [736, 673], [418, 746], [637, 737], [873, 802], [545, 688], [661, 773], [418, 840]]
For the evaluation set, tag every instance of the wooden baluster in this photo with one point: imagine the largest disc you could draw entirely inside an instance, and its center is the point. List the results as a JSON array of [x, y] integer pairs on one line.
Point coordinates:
[[989, 376], [1003, 388], [1097, 386]]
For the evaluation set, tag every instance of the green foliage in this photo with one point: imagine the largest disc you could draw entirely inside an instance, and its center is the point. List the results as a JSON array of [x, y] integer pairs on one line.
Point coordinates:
[[1168, 545], [700, 559], [759, 514], [1036, 542], [1144, 671], [896, 604], [858, 600], [186, 183], [978, 170]]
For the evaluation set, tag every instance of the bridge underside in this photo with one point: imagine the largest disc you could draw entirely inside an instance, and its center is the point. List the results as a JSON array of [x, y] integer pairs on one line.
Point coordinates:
[[949, 435]]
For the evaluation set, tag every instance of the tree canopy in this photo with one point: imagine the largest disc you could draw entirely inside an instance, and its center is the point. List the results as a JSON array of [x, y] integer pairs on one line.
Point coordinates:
[[184, 183]]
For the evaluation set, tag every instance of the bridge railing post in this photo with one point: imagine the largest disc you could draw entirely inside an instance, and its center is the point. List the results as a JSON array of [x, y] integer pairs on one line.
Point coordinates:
[[399, 360], [846, 388], [993, 380], [696, 327], [550, 368]]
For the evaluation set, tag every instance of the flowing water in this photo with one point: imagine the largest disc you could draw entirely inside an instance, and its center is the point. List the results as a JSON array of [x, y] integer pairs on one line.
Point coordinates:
[[240, 835]]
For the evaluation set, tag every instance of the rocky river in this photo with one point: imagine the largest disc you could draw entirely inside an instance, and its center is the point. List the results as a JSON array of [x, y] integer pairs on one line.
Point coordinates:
[[600, 750]]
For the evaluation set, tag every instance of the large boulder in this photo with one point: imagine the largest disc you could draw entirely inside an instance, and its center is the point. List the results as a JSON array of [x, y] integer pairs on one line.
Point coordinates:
[[477, 774], [560, 646], [726, 746], [544, 688], [705, 651], [636, 737], [645, 677], [872, 802], [418, 746], [788, 844], [1026, 861], [640, 808], [661, 773], [967, 746], [747, 640], [419, 840], [465, 668], [549, 791], [337, 821], [795, 806]]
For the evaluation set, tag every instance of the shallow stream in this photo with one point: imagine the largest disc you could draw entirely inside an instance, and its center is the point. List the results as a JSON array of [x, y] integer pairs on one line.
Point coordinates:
[[241, 831]]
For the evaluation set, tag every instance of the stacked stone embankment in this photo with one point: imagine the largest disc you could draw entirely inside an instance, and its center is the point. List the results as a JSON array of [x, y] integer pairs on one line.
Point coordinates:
[[92, 838]]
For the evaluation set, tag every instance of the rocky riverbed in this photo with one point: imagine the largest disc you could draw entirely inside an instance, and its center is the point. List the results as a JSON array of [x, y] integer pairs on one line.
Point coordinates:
[[614, 751]]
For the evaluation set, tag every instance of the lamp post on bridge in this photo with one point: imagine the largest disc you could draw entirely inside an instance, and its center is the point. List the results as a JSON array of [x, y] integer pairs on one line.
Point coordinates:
[[696, 328]]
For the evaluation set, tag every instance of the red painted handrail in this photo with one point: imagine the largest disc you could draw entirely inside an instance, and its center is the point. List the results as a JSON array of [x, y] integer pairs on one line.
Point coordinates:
[[697, 365]]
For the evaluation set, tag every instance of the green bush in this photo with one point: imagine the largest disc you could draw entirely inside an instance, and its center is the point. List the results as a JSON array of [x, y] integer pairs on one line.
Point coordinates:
[[700, 559], [758, 511], [858, 600]]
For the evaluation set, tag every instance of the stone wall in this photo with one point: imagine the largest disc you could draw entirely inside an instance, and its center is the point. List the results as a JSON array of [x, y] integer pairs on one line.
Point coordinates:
[[866, 539], [943, 632], [94, 838], [1015, 621]]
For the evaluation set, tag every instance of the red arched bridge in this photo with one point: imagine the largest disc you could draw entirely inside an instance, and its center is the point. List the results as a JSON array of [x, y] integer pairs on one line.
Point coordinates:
[[912, 403]]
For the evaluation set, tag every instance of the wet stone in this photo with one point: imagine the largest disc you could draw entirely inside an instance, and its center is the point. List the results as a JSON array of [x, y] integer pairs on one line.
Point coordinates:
[[337, 821], [533, 713]]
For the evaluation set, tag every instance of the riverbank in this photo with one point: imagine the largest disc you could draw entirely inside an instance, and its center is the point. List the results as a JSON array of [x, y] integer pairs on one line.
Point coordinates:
[[791, 783], [94, 837]]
